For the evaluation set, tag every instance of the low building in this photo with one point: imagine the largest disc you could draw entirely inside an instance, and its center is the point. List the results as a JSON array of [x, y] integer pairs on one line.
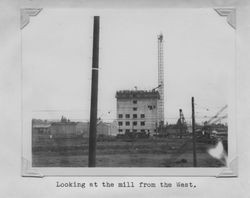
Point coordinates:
[[43, 128], [103, 129], [113, 128], [82, 128], [137, 111], [63, 128]]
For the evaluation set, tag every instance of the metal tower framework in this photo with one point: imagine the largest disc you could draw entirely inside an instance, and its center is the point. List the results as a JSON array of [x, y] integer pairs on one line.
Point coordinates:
[[160, 113]]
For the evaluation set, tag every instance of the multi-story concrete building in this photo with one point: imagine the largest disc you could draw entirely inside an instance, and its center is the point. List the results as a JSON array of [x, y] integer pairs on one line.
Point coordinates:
[[137, 111]]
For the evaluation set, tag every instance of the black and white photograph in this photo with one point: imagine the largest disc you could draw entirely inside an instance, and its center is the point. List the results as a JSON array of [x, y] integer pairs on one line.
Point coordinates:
[[128, 88], [124, 98]]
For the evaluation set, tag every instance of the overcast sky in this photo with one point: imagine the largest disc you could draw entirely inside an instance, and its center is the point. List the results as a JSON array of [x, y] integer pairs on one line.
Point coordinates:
[[199, 55]]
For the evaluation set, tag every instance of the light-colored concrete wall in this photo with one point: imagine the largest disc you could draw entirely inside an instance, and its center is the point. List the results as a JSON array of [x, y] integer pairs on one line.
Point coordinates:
[[125, 106]]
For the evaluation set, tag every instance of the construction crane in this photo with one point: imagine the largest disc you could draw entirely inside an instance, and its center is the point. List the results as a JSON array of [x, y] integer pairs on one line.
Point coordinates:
[[219, 119], [181, 123], [156, 88], [209, 126], [160, 105], [181, 120]]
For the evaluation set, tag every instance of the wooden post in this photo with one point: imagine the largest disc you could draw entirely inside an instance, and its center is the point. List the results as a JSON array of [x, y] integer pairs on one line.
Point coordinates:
[[193, 131], [94, 94]]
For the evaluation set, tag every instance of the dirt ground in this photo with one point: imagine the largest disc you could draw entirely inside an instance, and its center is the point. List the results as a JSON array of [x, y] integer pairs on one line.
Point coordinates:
[[151, 152]]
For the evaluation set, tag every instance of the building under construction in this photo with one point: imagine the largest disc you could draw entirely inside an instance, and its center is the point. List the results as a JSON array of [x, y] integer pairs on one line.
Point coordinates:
[[142, 111], [137, 111]]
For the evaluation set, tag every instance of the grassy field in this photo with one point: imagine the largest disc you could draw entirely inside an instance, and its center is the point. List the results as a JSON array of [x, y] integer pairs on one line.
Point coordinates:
[[113, 152]]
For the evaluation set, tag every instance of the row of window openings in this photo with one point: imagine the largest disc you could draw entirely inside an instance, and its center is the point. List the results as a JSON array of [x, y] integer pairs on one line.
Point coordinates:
[[149, 107], [134, 130], [128, 116], [128, 123]]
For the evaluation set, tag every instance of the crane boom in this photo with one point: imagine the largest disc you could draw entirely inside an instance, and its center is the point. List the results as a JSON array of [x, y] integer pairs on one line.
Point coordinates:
[[217, 114], [219, 119]]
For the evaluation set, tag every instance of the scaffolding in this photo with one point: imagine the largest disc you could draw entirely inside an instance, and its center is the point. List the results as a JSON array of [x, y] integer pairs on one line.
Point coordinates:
[[160, 113]]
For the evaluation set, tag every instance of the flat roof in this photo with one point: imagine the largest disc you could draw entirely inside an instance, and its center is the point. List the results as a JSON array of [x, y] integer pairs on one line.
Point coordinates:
[[137, 94], [41, 125], [63, 123]]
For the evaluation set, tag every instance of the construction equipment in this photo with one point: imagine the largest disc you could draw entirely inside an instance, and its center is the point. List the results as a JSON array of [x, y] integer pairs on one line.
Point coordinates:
[[211, 130], [160, 105], [156, 88], [217, 114], [181, 124]]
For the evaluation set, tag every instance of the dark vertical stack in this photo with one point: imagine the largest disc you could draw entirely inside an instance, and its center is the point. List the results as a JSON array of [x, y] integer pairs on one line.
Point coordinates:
[[94, 94]]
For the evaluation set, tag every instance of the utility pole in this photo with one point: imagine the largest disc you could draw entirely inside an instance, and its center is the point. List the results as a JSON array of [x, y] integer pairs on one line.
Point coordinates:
[[94, 94], [193, 132], [180, 123]]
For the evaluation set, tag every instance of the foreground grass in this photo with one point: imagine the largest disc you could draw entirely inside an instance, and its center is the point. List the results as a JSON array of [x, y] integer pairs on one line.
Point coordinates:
[[112, 152]]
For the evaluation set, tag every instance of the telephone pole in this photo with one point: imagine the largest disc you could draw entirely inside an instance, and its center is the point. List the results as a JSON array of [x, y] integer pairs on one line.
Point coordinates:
[[94, 94], [193, 132]]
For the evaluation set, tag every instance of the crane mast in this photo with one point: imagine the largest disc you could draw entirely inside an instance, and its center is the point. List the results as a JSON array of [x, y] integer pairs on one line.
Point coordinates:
[[160, 113]]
